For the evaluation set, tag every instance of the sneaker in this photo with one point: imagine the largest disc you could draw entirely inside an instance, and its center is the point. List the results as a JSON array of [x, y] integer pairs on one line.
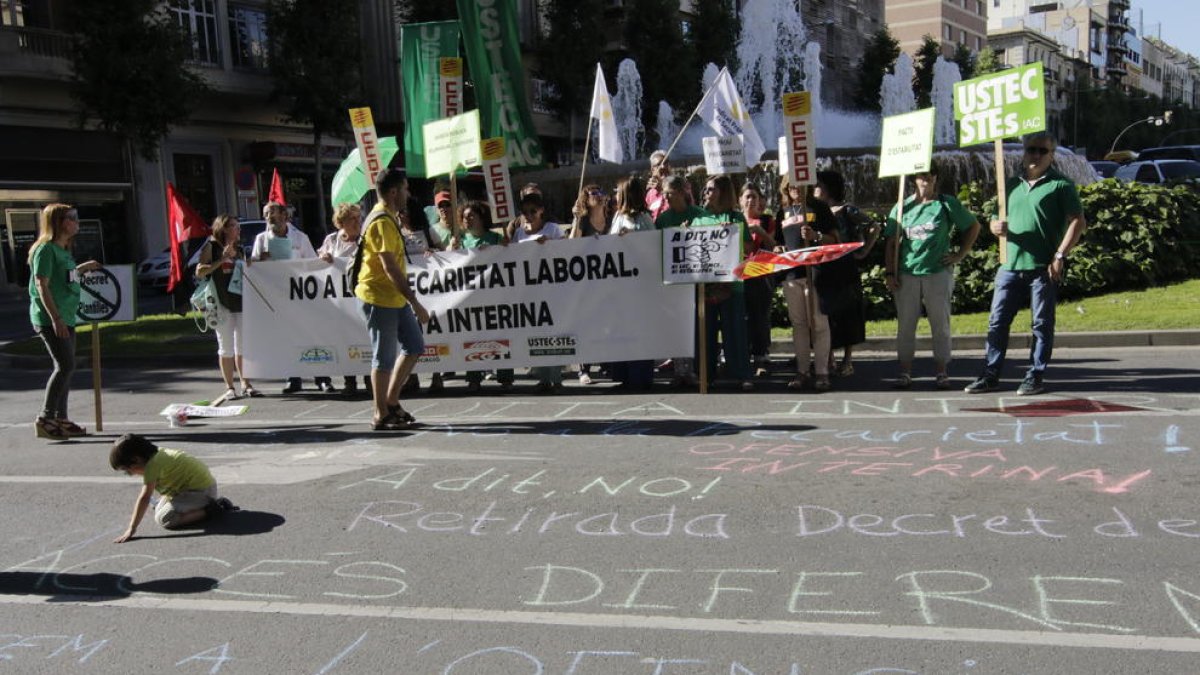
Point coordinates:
[[983, 385], [293, 386], [821, 383], [902, 381], [942, 383], [584, 378], [1031, 386]]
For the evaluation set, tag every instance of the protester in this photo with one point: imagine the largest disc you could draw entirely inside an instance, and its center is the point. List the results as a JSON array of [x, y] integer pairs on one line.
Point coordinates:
[[477, 221], [759, 290], [510, 229], [926, 273], [343, 243], [589, 218], [283, 241], [1045, 221], [219, 260], [807, 222], [726, 311], [53, 302], [393, 313], [847, 322], [535, 227], [442, 231], [632, 216], [188, 489], [680, 212], [419, 238], [656, 195]]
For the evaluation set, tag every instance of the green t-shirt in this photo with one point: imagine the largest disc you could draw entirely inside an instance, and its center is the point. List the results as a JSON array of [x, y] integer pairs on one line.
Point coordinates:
[[736, 217], [441, 234], [488, 238], [56, 264], [927, 232], [1037, 219], [175, 471], [672, 218]]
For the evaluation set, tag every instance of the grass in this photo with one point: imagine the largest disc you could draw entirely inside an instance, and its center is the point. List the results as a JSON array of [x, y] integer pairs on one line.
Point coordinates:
[[1167, 307], [1163, 308]]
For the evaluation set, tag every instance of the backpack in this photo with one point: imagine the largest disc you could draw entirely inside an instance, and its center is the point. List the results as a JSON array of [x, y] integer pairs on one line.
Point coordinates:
[[356, 266]]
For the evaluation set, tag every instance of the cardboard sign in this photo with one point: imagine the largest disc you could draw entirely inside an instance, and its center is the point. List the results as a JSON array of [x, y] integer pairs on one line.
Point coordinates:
[[368, 143], [724, 154], [452, 143], [1001, 105], [907, 143], [802, 146], [700, 254], [108, 294], [498, 180], [450, 86]]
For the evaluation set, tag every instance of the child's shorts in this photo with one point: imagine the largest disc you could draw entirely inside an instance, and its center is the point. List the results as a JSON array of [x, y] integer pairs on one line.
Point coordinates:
[[168, 511]]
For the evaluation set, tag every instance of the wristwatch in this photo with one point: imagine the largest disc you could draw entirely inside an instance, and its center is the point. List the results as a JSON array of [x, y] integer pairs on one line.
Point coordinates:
[[1059, 255]]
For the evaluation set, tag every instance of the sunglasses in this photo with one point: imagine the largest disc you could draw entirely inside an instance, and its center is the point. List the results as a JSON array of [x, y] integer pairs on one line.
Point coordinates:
[[1037, 150], [596, 193]]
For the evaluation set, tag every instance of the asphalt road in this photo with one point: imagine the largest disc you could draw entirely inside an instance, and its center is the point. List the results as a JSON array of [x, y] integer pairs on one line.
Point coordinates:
[[859, 531]]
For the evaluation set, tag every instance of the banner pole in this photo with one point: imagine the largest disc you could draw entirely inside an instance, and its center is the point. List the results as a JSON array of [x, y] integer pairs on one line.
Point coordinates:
[[587, 146], [1001, 197], [691, 117], [454, 206], [703, 338], [96, 375], [899, 229]]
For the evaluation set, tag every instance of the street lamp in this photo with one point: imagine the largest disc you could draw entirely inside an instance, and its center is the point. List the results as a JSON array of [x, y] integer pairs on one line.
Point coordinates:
[[1157, 121]]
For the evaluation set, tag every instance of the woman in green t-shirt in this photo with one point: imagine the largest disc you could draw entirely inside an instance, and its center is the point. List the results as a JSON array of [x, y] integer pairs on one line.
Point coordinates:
[[53, 302]]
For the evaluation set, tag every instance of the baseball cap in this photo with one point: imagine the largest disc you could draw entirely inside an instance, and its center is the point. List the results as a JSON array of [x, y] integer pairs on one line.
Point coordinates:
[[440, 197]]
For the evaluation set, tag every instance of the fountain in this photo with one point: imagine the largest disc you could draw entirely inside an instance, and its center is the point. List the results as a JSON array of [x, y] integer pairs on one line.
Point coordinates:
[[627, 108], [945, 75], [709, 77], [666, 127], [896, 95], [769, 67]]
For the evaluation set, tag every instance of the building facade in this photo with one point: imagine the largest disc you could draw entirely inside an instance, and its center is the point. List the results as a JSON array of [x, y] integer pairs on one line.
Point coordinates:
[[1096, 31], [951, 22]]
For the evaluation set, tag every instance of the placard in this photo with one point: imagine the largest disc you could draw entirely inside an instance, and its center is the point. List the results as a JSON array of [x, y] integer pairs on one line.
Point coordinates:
[[701, 254], [498, 180], [907, 143], [450, 85], [108, 294], [1001, 105], [724, 155], [452, 143], [802, 146], [368, 143]]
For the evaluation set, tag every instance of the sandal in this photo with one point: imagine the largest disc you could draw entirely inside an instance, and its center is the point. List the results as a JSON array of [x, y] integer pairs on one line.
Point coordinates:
[[800, 383], [229, 395], [70, 427], [250, 392], [845, 369], [48, 428], [822, 383], [401, 414], [390, 422], [902, 381], [943, 382]]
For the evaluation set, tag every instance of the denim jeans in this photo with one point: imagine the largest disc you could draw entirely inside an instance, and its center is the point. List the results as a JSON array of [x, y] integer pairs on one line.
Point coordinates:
[[1013, 290], [58, 387]]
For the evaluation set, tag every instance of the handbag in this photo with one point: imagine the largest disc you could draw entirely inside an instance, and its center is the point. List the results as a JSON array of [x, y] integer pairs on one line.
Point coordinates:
[[204, 302], [235, 278]]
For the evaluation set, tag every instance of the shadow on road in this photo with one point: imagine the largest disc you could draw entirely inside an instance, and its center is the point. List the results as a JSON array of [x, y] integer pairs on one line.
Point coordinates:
[[101, 586], [231, 523]]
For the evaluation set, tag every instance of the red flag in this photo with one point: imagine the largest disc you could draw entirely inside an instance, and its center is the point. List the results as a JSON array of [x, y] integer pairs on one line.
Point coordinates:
[[765, 262], [277, 189], [183, 223]]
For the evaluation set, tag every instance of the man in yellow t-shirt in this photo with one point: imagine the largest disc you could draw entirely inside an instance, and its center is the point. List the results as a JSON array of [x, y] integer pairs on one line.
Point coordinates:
[[392, 311]]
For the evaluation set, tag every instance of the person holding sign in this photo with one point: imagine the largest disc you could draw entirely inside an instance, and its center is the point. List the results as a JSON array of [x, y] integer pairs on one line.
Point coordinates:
[[926, 273], [680, 211], [1045, 221], [535, 227], [219, 258], [390, 306], [53, 304], [759, 290], [727, 301], [343, 243], [589, 218], [476, 217], [807, 222]]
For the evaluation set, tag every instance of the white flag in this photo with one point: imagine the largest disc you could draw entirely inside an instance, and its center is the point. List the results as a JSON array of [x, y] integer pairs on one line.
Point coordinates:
[[724, 112], [606, 139]]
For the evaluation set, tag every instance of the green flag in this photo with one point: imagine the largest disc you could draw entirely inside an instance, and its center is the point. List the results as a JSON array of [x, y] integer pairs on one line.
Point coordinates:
[[421, 46], [493, 54]]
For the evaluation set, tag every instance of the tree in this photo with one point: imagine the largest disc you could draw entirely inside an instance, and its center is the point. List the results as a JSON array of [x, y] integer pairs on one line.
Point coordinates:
[[965, 58], [567, 61], [424, 11], [987, 62], [316, 63], [927, 55], [129, 70], [878, 59], [654, 35], [714, 33]]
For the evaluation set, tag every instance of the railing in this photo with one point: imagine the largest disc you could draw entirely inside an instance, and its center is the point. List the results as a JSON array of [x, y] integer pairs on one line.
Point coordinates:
[[42, 42]]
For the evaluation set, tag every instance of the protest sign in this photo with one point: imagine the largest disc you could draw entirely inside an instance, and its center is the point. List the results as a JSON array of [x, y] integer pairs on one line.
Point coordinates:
[[693, 255], [501, 306], [108, 294], [802, 146], [450, 92], [368, 143], [907, 146], [1000, 105], [452, 143], [498, 180], [724, 155]]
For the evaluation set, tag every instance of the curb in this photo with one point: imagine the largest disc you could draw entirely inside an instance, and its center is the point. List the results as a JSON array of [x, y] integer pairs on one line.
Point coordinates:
[[1096, 340]]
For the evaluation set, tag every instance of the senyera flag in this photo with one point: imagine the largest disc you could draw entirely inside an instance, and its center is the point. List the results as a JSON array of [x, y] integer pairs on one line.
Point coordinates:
[[765, 262]]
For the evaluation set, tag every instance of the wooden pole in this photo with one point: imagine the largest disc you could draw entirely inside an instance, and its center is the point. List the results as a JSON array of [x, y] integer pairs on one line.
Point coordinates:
[[1001, 197], [899, 229], [692, 116], [96, 375], [703, 339], [454, 207]]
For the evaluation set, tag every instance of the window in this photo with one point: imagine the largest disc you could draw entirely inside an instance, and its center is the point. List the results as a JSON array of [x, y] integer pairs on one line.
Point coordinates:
[[198, 18], [13, 12], [948, 32], [544, 94], [248, 37]]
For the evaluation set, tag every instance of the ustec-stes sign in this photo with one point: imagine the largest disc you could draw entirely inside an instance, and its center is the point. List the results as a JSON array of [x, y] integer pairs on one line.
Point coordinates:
[[1001, 105]]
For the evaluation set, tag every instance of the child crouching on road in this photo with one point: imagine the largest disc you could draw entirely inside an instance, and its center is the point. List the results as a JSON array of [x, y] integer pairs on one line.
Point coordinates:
[[189, 492]]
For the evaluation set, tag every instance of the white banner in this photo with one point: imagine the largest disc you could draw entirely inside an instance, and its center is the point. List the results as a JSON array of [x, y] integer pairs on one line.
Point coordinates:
[[705, 254], [582, 300]]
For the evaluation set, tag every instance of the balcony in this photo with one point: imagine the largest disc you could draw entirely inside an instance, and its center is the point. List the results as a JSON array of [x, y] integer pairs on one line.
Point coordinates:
[[1121, 4], [34, 52]]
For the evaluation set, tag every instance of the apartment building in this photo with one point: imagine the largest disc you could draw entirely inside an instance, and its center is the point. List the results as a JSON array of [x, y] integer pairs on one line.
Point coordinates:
[[1018, 45], [951, 22], [1094, 31]]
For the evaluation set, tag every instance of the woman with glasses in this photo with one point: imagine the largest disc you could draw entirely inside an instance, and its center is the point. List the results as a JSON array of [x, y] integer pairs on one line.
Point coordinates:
[[535, 228], [806, 222], [726, 303], [53, 302], [219, 258], [759, 290]]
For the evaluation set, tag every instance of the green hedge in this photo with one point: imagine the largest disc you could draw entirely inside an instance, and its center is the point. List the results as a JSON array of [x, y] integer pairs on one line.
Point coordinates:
[[1138, 236]]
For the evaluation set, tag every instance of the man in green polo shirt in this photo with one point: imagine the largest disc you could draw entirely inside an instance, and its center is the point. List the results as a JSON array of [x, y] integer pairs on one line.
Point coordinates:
[[1045, 221]]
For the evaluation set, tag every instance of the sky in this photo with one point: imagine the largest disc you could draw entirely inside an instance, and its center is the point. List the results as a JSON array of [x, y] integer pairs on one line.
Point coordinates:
[[1179, 20]]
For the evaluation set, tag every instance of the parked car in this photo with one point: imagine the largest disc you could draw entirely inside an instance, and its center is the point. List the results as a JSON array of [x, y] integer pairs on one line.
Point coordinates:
[[155, 270], [1171, 152], [1104, 168], [1159, 171]]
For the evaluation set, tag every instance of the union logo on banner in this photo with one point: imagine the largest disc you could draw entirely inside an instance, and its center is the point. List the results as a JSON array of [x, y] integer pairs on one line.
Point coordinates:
[[497, 179], [801, 148]]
